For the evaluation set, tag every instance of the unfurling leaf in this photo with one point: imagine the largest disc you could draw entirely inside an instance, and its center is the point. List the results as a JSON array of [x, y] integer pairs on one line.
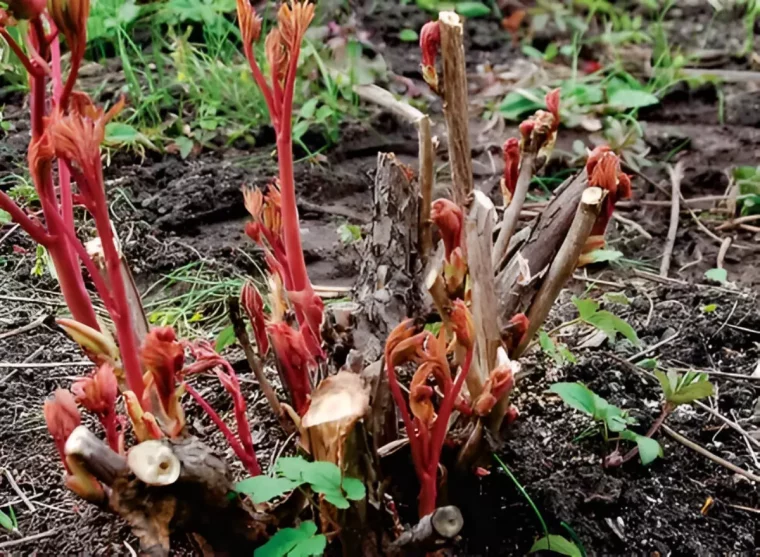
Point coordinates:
[[264, 488], [556, 544], [225, 338], [649, 449], [576, 395], [294, 542]]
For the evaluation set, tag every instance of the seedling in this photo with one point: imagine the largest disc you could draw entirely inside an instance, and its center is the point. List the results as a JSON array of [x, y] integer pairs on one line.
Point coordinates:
[[8, 521]]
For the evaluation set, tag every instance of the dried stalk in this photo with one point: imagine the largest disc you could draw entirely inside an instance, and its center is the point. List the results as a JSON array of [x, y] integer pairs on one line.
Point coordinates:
[[512, 212], [254, 362], [676, 175], [455, 104], [479, 234], [564, 263]]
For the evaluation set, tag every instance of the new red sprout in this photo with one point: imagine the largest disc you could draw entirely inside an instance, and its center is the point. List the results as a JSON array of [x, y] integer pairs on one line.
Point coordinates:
[[62, 417], [282, 48], [425, 427], [511, 152], [448, 217], [430, 44], [253, 304], [97, 393], [499, 383], [163, 358], [295, 360]]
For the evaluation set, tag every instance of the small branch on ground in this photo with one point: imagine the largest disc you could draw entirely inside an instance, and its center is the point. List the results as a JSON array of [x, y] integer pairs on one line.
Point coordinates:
[[432, 532], [676, 176]]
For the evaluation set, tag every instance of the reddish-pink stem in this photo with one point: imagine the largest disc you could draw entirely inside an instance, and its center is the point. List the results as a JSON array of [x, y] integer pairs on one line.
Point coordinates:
[[32, 228], [109, 424], [252, 466], [414, 443], [243, 427], [20, 54], [64, 176]]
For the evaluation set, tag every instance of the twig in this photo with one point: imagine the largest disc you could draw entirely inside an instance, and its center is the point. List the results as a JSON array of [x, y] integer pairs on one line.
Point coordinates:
[[28, 359], [654, 347], [253, 361], [512, 212], [733, 425], [658, 278], [43, 365], [631, 224], [14, 543], [676, 175], [722, 251], [704, 452], [733, 223], [11, 231], [18, 491], [455, 103], [564, 262], [28, 327], [730, 315], [427, 178]]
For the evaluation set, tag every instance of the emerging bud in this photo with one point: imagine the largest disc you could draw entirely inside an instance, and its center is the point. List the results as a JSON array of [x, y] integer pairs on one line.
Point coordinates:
[[511, 169], [70, 17], [552, 105], [539, 132], [430, 43], [462, 323], [62, 417], [98, 347], [603, 169], [311, 306], [448, 217], [421, 395], [296, 360], [512, 335], [399, 346], [163, 358], [143, 423], [249, 22], [253, 304], [97, 393], [499, 384]]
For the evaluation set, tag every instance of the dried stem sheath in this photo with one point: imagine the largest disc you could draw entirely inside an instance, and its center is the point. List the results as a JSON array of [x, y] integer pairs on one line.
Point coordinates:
[[455, 104], [564, 263]]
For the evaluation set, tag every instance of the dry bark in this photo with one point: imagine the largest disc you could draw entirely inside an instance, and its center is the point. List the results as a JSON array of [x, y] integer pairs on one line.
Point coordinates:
[[197, 502], [388, 286], [432, 533]]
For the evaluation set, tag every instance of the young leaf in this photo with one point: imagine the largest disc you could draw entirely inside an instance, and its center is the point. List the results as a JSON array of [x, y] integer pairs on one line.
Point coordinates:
[[292, 467], [717, 275], [408, 35], [547, 344], [564, 351], [649, 449], [6, 522], [5, 217], [709, 308], [324, 478], [265, 488], [286, 540], [576, 395], [314, 545], [472, 9], [632, 98], [556, 544], [648, 363], [692, 392], [617, 298], [349, 233], [185, 146], [225, 338], [615, 418], [354, 489], [604, 255], [586, 307]]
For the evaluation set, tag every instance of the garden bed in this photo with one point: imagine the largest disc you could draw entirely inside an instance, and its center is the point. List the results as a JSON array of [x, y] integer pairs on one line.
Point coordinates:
[[172, 213]]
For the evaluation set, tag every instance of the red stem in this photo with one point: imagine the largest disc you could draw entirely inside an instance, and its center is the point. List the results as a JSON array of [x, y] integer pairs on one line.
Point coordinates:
[[243, 427], [419, 464], [64, 175], [262, 83], [252, 467], [20, 54], [35, 230], [666, 410], [112, 434]]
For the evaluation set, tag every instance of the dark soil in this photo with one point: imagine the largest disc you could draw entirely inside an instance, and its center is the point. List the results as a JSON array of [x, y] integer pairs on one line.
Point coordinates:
[[173, 212]]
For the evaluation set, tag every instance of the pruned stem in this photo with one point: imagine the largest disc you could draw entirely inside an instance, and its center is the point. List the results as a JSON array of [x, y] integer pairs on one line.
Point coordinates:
[[512, 212], [455, 106], [426, 180], [564, 262]]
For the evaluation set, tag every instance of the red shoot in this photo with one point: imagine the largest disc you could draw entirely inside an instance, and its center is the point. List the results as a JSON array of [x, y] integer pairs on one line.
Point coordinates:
[[499, 383], [163, 358], [296, 361], [97, 393], [62, 417], [242, 445], [253, 304], [513, 333], [603, 169], [430, 44], [425, 427], [511, 168], [449, 219], [282, 48]]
